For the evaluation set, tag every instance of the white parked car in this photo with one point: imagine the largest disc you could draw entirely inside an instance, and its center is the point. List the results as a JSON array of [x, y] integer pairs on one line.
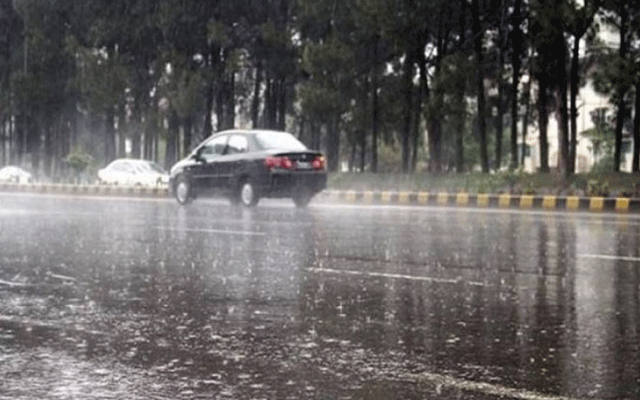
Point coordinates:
[[133, 172], [14, 174]]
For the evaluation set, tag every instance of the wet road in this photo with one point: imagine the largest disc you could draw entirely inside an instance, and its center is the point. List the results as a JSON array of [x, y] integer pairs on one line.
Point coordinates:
[[139, 299]]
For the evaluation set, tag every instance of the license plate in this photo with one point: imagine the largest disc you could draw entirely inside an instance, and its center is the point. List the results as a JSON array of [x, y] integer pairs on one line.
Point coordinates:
[[304, 165]]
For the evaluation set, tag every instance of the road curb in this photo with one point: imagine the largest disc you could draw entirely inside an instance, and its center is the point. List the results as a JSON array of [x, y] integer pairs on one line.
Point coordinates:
[[504, 201], [501, 201], [92, 190]]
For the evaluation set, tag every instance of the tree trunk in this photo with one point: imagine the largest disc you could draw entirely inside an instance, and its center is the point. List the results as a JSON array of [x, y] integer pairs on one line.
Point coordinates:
[[407, 83], [282, 105], [170, 156], [563, 115], [482, 125], [230, 98], [415, 132], [333, 145], [516, 63], [460, 90], [363, 149], [270, 106], [575, 82], [499, 119], [188, 134], [525, 118], [543, 123], [617, 155], [375, 113], [121, 151], [207, 129], [49, 142], [110, 135], [220, 106], [255, 102], [563, 137], [636, 132]]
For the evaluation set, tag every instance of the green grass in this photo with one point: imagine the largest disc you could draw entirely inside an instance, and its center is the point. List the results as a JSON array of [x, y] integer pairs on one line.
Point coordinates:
[[609, 184]]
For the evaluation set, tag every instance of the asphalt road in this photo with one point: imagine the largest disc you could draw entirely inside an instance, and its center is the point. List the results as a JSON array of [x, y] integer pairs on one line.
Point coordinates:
[[104, 298]]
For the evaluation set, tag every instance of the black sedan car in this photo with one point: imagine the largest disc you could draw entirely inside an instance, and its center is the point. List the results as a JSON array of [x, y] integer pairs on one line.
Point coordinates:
[[246, 165]]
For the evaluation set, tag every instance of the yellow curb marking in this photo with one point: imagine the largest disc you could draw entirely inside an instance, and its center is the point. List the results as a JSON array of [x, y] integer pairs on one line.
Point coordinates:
[[443, 198], [423, 198], [526, 201], [596, 203], [573, 202], [549, 202], [483, 200], [462, 199], [504, 200], [622, 204]]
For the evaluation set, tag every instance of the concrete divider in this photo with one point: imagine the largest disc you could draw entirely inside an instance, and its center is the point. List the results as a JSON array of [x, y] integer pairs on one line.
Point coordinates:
[[482, 200]]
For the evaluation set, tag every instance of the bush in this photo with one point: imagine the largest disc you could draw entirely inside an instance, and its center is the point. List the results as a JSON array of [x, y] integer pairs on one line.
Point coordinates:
[[79, 162]]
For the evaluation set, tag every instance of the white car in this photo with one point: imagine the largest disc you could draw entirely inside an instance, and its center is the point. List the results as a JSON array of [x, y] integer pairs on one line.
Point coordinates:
[[14, 174], [133, 172]]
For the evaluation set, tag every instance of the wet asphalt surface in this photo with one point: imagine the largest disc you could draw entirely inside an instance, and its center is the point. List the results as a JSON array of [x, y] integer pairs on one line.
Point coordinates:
[[104, 298]]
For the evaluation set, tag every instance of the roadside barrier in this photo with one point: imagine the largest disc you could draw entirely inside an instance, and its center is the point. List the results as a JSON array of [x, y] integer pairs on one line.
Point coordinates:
[[482, 200], [91, 190], [504, 201]]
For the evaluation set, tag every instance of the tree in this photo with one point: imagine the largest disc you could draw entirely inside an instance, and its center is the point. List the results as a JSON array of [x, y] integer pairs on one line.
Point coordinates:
[[327, 65], [477, 45], [517, 53], [581, 18], [617, 70], [549, 68]]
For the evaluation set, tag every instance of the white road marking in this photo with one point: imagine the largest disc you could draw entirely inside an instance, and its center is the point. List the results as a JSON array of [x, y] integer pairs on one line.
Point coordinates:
[[221, 231], [446, 381], [392, 276], [608, 257]]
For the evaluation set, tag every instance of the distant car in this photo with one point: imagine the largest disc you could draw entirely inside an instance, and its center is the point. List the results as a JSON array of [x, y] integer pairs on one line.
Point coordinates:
[[247, 165], [15, 174], [133, 172]]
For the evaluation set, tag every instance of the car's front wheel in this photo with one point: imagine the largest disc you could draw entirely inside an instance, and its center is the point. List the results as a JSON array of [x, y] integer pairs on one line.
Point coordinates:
[[248, 195], [183, 190]]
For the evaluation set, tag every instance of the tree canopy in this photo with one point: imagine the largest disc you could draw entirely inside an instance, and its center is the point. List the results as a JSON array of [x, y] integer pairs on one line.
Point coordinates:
[[444, 85]]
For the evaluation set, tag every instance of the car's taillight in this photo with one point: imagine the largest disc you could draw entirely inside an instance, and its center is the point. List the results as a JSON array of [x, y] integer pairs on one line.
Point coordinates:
[[319, 163], [270, 162], [286, 163], [278, 162]]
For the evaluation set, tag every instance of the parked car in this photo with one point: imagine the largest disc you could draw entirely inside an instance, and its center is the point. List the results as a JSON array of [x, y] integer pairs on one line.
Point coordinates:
[[133, 172], [247, 165], [14, 174]]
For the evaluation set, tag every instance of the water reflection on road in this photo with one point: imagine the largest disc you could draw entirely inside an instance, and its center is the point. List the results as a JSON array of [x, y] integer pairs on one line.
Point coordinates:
[[283, 302], [548, 303]]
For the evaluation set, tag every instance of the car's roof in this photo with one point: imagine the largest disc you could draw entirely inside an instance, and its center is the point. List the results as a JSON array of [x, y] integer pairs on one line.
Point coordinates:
[[131, 160], [11, 168], [249, 131]]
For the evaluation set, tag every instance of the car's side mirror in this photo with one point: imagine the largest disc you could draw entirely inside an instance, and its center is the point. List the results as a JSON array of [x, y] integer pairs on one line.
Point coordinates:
[[198, 156]]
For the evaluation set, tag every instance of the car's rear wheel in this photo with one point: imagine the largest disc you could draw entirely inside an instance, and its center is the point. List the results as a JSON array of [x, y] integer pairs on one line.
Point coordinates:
[[183, 190], [248, 195], [302, 199]]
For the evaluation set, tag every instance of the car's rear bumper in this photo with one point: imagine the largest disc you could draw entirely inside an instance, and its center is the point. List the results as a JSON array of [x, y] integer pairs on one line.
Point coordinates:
[[287, 184]]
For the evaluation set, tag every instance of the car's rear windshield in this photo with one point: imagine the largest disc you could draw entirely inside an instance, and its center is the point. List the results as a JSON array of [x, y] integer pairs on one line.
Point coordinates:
[[155, 167], [278, 141]]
